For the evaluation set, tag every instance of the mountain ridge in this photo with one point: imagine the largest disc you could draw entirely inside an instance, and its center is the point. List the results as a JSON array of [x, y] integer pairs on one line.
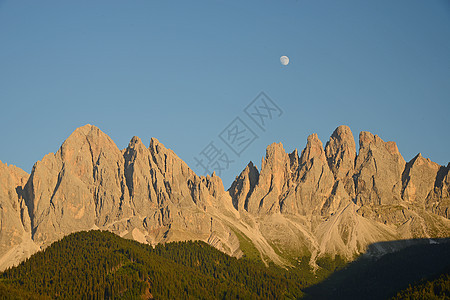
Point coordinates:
[[327, 200]]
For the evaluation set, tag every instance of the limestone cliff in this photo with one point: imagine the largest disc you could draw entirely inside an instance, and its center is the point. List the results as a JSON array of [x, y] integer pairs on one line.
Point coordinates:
[[327, 200], [335, 201], [15, 224]]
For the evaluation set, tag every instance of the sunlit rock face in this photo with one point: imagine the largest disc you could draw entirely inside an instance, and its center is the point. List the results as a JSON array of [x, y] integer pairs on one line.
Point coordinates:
[[333, 200], [325, 200]]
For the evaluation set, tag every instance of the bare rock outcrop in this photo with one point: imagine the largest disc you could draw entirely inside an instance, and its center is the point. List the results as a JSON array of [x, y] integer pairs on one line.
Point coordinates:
[[438, 201], [80, 186], [334, 201], [14, 218], [148, 194], [274, 175], [316, 179], [15, 225], [142, 178], [418, 179], [378, 171], [340, 151], [243, 186], [325, 201]]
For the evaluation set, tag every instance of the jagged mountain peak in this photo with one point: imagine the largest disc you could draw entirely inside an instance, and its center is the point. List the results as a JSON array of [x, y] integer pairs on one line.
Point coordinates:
[[242, 187], [155, 143], [420, 159], [369, 140], [342, 132], [251, 169], [87, 128], [88, 141], [366, 138], [294, 153], [419, 178], [379, 167], [340, 151], [274, 147], [135, 145], [87, 132], [294, 203], [313, 150], [275, 171], [14, 170], [251, 165], [135, 140], [374, 145], [274, 153]]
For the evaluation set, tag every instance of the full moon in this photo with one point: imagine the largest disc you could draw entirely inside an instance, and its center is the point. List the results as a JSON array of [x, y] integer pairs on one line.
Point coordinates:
[[284, 60]]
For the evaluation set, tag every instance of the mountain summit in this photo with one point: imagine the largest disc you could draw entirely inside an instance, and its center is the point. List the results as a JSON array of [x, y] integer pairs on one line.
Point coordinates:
[[326, 201]]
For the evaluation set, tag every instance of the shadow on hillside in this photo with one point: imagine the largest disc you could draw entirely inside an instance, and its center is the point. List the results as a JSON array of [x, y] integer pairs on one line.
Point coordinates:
[[373, 276]]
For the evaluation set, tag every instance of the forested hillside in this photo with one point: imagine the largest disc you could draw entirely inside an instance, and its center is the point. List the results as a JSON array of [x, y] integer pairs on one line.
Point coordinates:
[[383, 278], [102, 265], [97, 265], [436, 287]]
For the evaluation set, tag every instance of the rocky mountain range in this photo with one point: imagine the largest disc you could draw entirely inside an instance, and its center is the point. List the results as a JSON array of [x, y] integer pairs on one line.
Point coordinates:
[[326, 201]]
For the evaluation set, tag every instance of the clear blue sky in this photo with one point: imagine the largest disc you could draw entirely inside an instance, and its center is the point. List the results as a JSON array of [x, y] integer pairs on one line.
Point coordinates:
[[181, 71]]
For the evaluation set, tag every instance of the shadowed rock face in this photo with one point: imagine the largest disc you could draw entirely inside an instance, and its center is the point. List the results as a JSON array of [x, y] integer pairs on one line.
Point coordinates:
[[243, 186], [275, 172], [15, 224], [15, 221], [438, 200], [325, 201]]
